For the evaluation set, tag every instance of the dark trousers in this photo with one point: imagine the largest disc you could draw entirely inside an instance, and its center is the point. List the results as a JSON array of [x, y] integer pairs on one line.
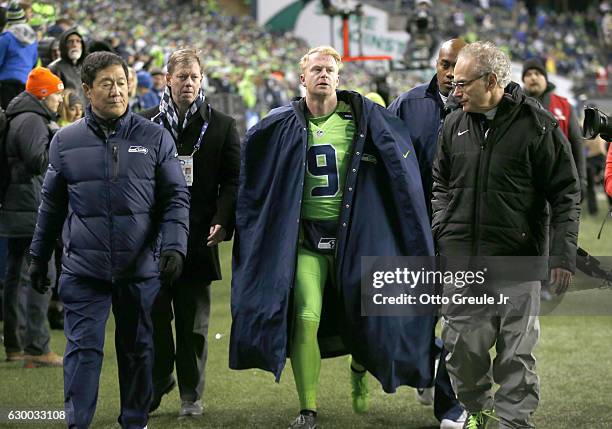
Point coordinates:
[[446, 405], [9, 89], [34, 340], [191, 305], [87, 303]]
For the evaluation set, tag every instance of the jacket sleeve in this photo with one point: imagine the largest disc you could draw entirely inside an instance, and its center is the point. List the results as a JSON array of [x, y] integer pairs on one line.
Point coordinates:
[[3, 48], [577, 142], [172, 197], [441, 173], [228, 183], [424, 150], [53, 207], [608, 174], [35, 56], [555, 173], [33, 142]]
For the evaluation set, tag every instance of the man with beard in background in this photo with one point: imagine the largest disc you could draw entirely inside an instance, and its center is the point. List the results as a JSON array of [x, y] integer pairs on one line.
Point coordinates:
[[68, 66]]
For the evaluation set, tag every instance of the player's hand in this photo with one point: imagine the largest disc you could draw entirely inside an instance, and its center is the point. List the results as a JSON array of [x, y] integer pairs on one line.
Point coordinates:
[[216, 235], [560, 279]]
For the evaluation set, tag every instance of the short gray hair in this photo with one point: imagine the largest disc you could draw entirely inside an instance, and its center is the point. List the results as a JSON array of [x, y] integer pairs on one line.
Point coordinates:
[[489, 59]]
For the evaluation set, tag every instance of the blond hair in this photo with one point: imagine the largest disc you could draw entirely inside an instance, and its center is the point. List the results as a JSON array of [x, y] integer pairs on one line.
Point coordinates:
[[185, 57], [66, 104], [323, 50]]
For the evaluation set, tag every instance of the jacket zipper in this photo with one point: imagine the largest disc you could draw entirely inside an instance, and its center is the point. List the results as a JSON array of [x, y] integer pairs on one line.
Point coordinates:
[[480, 185], [115, 163], [111, 173]]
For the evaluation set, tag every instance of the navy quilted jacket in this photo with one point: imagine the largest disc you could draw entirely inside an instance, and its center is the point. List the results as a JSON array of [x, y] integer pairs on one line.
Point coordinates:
[[121, 199]]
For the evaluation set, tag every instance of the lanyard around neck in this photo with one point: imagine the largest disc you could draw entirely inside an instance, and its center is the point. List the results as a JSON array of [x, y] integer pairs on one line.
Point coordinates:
[[202, 131]]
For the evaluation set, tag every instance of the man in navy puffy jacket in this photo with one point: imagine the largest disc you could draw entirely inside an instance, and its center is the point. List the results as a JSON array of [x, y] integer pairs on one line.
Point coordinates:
[[115, 184]]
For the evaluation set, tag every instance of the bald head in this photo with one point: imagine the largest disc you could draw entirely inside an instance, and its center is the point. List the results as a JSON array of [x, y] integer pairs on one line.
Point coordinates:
[[445, 65]]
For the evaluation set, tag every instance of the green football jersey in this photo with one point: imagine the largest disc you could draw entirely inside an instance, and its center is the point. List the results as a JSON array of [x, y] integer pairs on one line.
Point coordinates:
[[330, 140]]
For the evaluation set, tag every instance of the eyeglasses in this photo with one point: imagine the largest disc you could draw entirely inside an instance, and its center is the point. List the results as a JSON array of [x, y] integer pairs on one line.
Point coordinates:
[[462, 85]]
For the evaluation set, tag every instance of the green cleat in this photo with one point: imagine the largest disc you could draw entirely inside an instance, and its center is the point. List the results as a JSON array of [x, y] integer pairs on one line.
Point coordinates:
[[360, 392], [479, 419]]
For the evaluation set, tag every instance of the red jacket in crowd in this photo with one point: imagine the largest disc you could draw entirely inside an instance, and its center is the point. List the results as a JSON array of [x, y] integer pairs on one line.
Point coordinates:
[[608, 175]]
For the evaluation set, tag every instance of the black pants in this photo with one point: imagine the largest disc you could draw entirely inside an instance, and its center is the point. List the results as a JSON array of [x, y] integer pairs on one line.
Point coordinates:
[[9, 89], [191, 304]]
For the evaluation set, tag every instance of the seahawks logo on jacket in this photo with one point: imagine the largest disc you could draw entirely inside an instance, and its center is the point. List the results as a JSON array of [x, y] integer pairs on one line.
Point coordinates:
[[138, 149]]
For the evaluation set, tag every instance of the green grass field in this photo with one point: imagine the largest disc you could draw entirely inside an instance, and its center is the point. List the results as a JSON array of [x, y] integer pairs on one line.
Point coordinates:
[[574, 363]]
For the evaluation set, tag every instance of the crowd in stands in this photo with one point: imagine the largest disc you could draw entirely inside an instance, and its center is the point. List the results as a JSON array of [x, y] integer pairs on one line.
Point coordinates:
[[572, 44], [243, 58]]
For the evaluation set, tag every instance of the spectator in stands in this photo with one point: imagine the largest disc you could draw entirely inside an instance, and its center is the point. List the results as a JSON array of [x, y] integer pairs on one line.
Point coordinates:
[[18, 53], [71, 108], [147, 98], [2, 18], [61, 25], [48, 50], [209, 145], [536, 84], [68, 66], [32, 115], [132, 95], [99, 45], [159, 81]]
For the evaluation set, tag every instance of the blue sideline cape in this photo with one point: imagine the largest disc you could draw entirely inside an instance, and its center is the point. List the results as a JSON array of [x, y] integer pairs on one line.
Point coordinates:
[[383, 214]]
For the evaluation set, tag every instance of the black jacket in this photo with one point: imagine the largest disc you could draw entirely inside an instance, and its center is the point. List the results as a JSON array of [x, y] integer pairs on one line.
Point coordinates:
[[65, 69], [213, 194], [28, 138], [489, 195]]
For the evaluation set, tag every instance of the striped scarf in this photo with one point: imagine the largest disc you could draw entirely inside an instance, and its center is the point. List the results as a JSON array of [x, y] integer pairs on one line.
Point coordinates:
[[168, 111]]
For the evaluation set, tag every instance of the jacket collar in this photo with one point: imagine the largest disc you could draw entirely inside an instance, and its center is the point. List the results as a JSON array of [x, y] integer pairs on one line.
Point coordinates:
[[352, 98], [433, 91], [513, 100], [96, 123]]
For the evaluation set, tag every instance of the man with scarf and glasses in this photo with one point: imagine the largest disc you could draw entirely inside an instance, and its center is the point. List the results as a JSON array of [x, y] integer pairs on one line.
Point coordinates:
[[209, 149]]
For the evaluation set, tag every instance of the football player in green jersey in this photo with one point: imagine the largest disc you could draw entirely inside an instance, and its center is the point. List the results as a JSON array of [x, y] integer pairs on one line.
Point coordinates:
[[331, 130], [325, 181]]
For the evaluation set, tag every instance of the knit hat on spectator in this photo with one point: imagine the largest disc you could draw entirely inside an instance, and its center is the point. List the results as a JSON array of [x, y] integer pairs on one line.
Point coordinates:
[[42, 83], [15, 14], [534, 63], [144, 79]]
